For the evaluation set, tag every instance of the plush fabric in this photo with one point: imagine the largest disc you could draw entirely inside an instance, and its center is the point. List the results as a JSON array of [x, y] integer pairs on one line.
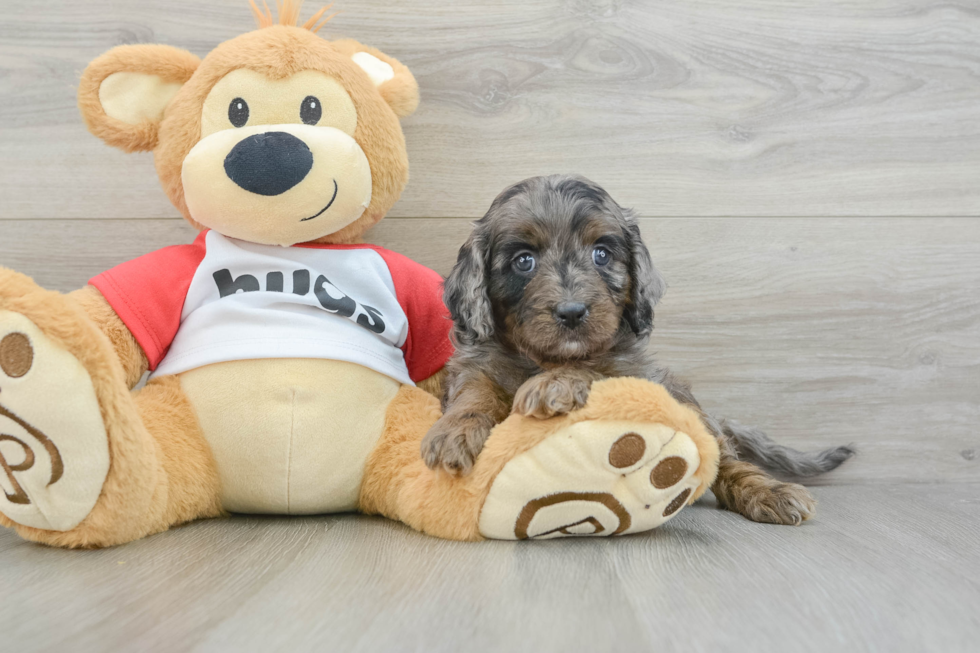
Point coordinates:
[[397, 483], [163, 277], [136, 97], [339, 179], [165, 66], [133, 500], [94, 305], [160, 473], [44, 492], [301, 316], [282, 426], [278, 52], [290, 436]]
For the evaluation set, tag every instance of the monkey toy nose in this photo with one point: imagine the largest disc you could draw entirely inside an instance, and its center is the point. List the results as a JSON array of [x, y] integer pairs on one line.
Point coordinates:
[[571, 314], [269, 164]]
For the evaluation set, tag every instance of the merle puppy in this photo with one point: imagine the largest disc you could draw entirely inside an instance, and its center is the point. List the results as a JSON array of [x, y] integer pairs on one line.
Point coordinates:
[[554, 290]]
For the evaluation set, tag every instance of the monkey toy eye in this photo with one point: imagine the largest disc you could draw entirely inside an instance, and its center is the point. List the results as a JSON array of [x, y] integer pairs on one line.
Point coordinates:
[[601, 256], [238, 112], [524, 262], [310, 111]]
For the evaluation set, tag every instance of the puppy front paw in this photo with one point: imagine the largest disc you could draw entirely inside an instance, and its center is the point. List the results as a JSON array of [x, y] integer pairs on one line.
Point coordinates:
[[454, 442], [547, 395]]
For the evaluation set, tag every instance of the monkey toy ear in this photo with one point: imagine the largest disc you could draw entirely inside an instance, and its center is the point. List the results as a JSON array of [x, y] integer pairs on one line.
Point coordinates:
[[124, 93], [392, 78]]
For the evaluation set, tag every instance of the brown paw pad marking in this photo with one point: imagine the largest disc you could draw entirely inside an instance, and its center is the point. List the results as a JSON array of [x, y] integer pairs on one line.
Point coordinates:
[[627, 451], [603, 498], [16, 355], [677, 503], [18, 496], [57, 466], [16, 358], [668, 472]]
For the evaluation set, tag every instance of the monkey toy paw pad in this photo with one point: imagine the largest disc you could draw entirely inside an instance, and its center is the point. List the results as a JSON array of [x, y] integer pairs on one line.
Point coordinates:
[[54, 453], [593, 478]]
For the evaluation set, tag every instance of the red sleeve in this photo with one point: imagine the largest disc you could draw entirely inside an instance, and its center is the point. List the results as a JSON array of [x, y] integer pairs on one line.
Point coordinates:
[[148, 294], [419, 291]]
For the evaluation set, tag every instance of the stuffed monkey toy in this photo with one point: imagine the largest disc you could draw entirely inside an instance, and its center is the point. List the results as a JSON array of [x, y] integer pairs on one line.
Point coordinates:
[[287, 361]]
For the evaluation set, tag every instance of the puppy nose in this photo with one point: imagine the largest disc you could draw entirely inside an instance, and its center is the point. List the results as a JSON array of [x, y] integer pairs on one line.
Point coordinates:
[[571, 314], [269, 163]]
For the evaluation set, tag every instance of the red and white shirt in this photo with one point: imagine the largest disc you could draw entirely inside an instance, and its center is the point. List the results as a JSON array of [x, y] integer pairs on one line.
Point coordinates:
[[221, 299]]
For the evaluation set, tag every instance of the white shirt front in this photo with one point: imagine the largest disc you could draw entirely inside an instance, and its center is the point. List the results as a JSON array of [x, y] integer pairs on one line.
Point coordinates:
[[249, 301]]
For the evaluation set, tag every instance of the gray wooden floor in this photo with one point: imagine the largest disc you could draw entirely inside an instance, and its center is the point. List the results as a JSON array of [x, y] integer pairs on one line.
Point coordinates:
[[825, 331], [884, 568], [807, 176]]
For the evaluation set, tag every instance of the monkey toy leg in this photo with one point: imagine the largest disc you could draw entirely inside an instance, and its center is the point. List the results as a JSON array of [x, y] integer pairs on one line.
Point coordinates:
[[84, 461], [625, 463]]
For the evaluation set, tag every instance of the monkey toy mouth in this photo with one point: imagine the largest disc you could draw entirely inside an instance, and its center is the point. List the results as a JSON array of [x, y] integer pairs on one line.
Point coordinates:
[[273, 186], [329, 204]]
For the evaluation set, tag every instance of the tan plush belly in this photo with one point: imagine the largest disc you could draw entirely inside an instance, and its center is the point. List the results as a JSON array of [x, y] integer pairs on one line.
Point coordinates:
[[290, 436]]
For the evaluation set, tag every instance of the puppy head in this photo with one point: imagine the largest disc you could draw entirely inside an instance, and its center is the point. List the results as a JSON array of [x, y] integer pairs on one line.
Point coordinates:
[[555, 269], [277, 136]]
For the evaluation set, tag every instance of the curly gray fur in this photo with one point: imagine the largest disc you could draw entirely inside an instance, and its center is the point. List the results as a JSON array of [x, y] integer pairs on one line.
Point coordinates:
[[507, 332]]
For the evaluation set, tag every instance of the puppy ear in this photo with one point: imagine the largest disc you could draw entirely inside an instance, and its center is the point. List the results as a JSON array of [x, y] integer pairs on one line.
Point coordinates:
[[392, 78], [646, 284], [124, 93], [466, 291]]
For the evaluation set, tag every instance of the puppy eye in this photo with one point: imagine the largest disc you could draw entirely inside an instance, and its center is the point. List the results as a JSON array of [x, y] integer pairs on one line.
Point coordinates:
[[238, 112], [524, 262], [310, 111], [601, 256]]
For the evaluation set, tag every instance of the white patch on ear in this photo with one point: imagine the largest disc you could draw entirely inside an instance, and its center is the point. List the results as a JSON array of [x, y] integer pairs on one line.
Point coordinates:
[[135, 97], [379, 71]]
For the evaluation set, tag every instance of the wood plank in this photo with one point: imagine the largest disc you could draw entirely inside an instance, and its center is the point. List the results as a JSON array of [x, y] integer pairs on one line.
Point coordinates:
[[821, 331], [721, 107], [890, 568]]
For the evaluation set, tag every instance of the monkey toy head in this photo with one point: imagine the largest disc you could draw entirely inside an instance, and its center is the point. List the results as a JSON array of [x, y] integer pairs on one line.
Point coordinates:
[[276, 137]]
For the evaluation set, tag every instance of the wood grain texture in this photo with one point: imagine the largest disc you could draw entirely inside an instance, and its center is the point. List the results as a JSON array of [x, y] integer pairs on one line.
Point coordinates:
[[823, 331], [720, 107], [888, 568]]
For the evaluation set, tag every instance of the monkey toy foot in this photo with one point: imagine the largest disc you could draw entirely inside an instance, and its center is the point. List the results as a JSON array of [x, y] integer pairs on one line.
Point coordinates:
[[597, 473], [54, 451]]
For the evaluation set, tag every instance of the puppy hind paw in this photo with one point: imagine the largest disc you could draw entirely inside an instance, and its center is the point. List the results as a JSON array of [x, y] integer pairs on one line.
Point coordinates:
[[778, 503]]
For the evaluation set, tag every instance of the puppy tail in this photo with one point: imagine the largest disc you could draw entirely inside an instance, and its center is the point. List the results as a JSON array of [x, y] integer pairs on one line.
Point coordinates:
[[753, 445]]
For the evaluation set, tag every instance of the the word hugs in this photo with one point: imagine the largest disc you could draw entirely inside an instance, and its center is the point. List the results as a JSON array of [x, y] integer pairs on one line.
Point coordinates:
[[330, 297]]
